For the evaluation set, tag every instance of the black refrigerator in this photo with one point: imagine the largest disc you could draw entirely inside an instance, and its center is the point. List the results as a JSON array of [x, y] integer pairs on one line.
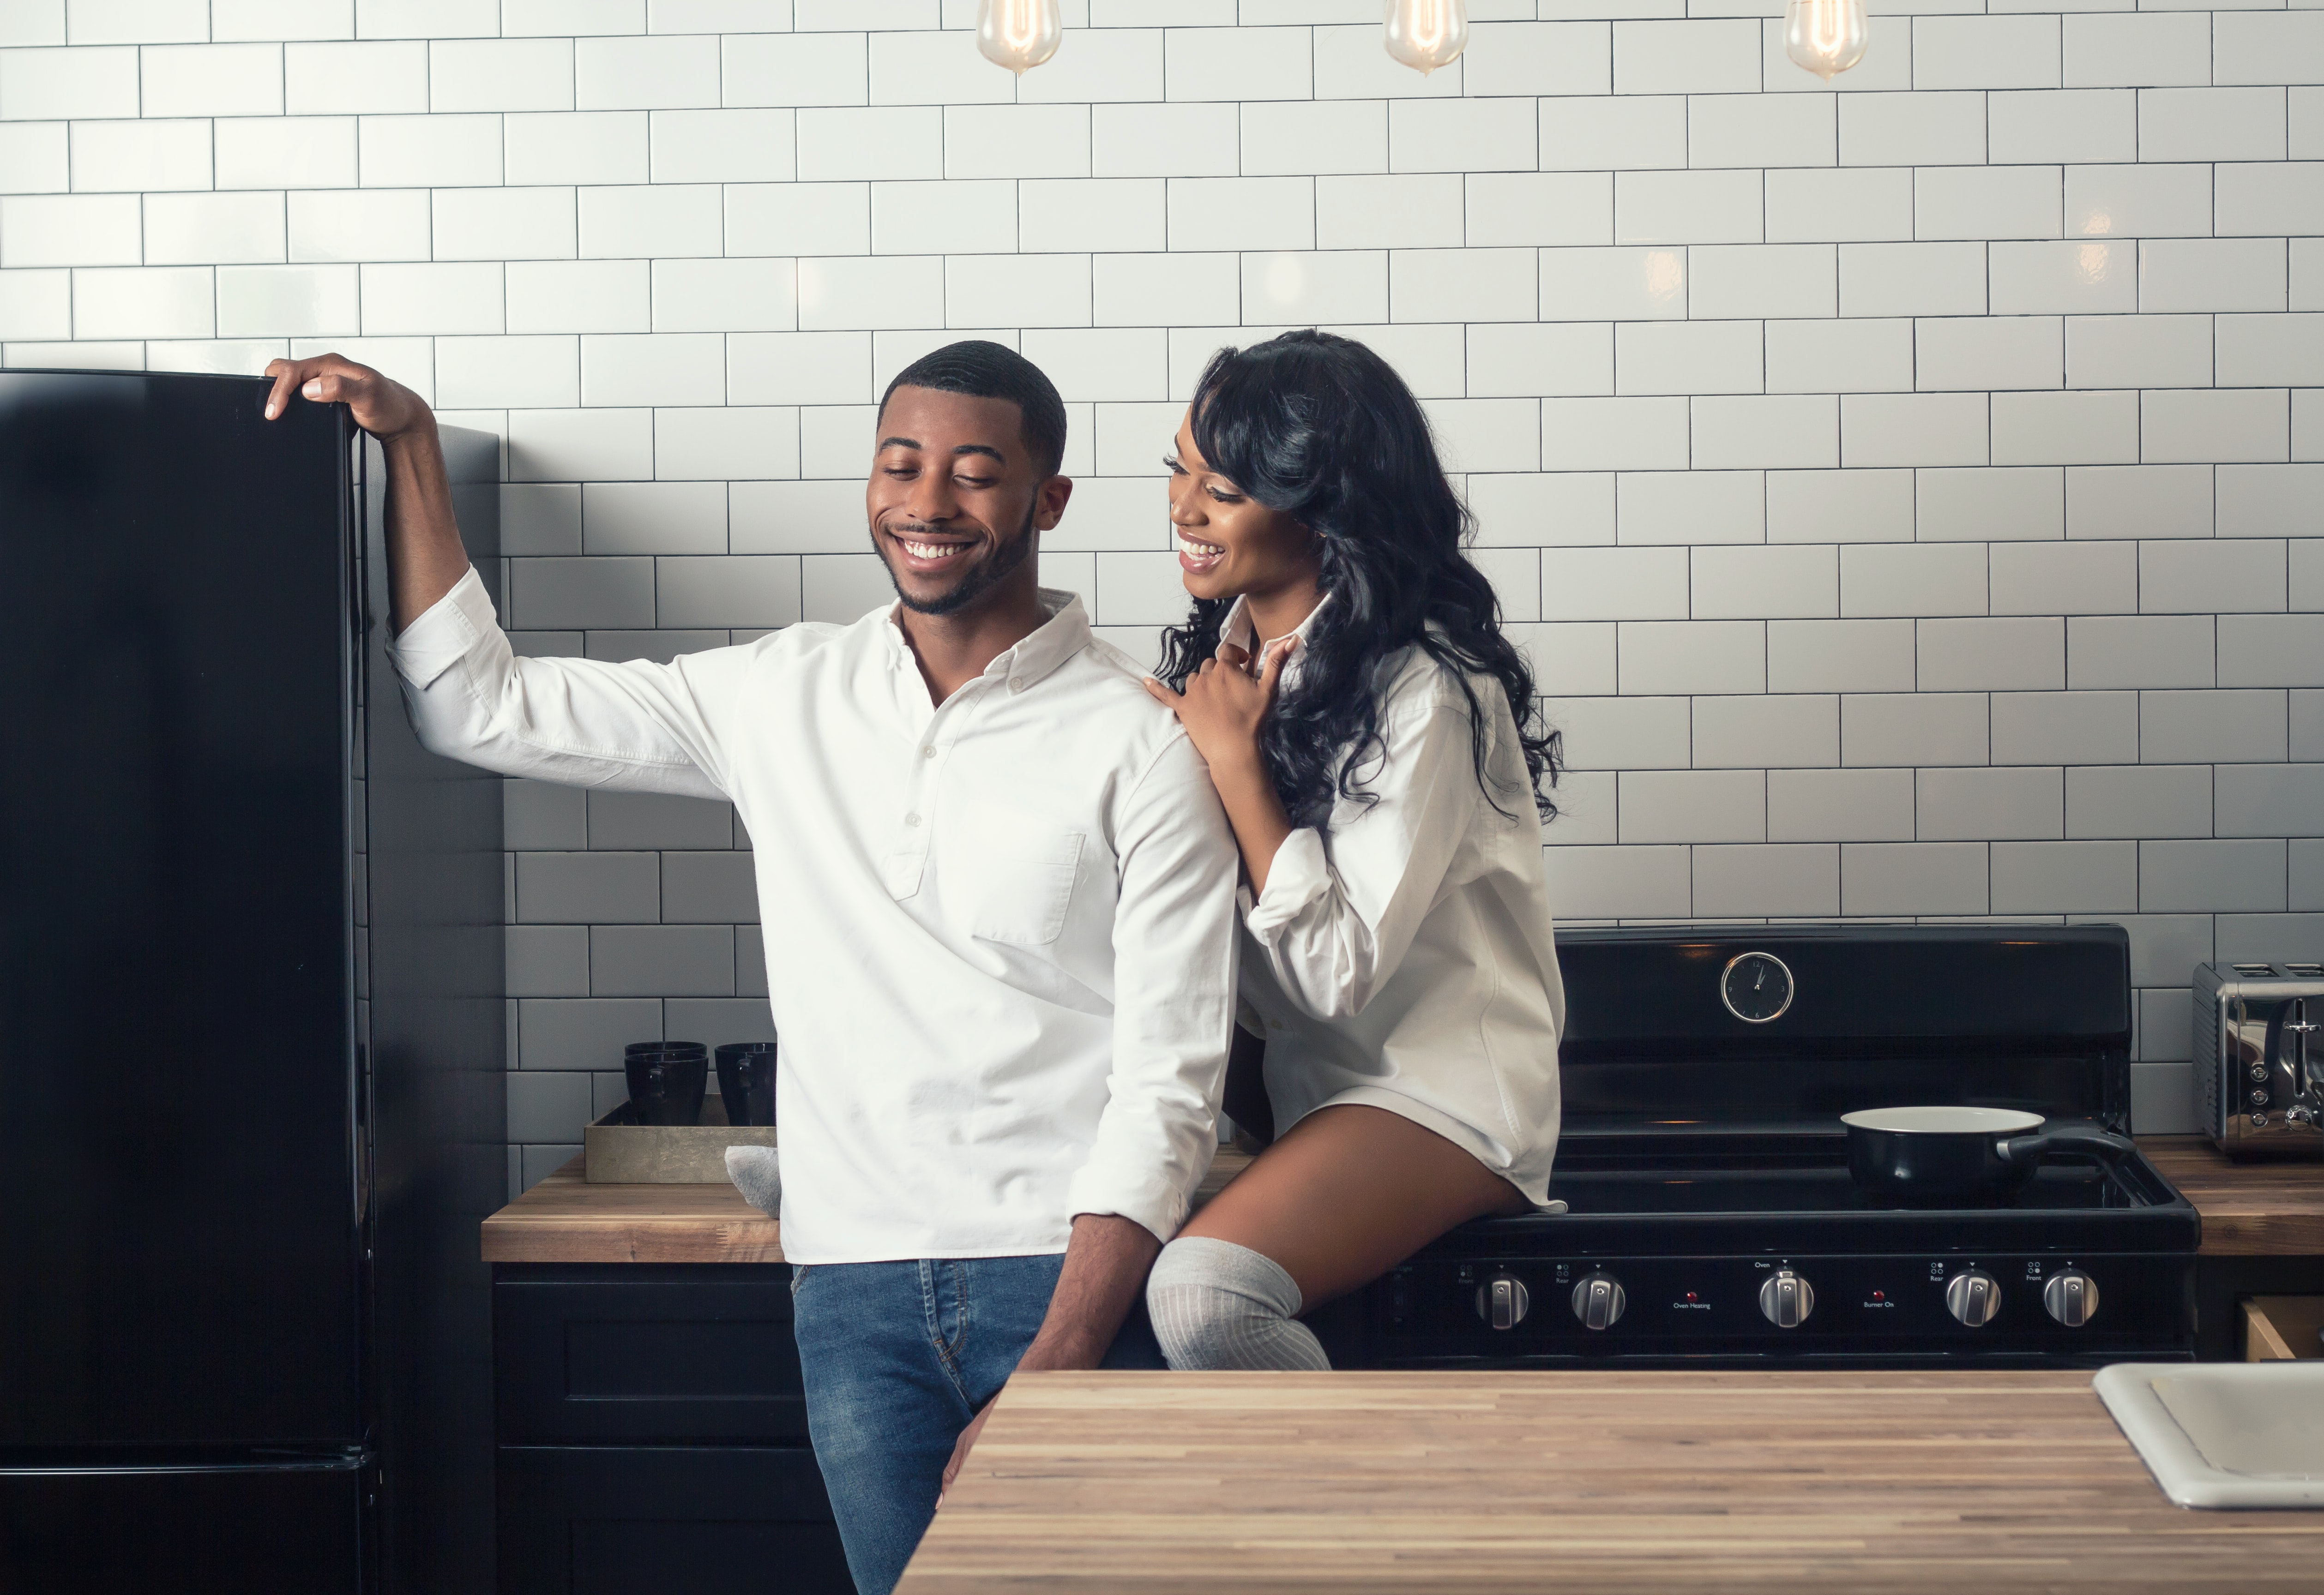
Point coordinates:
[[252, 1029]]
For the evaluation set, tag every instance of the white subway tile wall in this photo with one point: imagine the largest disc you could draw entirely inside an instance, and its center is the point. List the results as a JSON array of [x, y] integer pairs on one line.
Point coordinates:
[[1908, 491]]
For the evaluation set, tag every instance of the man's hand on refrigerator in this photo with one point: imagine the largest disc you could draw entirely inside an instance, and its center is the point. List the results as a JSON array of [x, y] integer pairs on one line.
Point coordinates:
[[425, 559], [381, 406]]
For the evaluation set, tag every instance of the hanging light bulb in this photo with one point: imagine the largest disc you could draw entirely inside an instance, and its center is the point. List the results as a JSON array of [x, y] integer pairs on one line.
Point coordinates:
[[1019, 34], [1426, 34], [1826, 36]]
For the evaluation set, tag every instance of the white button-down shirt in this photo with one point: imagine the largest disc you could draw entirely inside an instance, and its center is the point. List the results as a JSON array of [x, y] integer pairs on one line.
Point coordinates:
[[1404, 959], [999, 931]]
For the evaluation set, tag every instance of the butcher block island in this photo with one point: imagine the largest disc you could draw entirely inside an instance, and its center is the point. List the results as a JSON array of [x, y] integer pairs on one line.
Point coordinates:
[[1897, 1481]]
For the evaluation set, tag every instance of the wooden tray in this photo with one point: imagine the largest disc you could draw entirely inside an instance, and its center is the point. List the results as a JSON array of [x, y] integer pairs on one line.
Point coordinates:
[[2282, 1328], [619, 1151]]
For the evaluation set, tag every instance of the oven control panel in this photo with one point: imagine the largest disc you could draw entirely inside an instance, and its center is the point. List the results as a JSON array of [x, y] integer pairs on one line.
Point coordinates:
[[2033, 1304]]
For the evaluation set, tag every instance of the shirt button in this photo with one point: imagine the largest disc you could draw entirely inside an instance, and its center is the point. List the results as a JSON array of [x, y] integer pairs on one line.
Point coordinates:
[[928, 753], [911, 819], [1014, 685]]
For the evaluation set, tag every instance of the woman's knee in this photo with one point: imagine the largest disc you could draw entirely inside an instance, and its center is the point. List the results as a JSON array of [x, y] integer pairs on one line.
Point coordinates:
[[1206, 1284], [1216, 1305]]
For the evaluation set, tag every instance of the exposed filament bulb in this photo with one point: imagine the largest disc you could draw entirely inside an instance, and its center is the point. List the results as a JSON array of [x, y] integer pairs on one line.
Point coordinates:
[[1826, 36], [1019, 34], [1426, 34]]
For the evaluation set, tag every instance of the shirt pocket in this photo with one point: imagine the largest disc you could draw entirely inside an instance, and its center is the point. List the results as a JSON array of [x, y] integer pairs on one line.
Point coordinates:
[[1014, 883]]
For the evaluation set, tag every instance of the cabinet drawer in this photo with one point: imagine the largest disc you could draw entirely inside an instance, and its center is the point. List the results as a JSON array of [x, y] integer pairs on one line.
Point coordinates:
[[646, 1355], [250, 1530], [2277, 1328], [648, 1520]]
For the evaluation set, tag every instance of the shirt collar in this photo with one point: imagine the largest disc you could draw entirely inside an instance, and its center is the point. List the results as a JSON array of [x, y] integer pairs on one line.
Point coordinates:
[[1065, 633], [1237, 628]]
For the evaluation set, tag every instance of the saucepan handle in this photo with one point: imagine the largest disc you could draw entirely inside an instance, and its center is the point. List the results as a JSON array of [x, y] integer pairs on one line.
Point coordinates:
[[2102, 1144]]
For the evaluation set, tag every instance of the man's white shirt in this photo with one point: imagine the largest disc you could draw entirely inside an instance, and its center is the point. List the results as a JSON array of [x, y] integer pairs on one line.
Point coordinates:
[[999, 931]]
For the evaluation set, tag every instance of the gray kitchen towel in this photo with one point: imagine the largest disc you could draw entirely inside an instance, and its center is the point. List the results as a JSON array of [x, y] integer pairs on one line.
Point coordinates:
[[758, 1173]]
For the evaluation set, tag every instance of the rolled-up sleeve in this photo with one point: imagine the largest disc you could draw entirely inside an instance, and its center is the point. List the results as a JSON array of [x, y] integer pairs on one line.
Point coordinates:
[[1300, 876], [1334, 926], [639, 726], [1174, 931]]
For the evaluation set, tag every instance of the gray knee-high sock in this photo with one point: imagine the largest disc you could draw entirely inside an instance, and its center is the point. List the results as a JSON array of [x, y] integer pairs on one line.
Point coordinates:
[[1217, 1305]]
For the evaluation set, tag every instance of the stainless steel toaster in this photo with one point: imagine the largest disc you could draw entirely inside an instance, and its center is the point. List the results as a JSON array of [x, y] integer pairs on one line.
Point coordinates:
[[2259, 1058]]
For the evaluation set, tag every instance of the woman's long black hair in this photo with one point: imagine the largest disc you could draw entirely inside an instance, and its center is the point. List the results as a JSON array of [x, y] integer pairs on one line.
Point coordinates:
[[1320, 428]]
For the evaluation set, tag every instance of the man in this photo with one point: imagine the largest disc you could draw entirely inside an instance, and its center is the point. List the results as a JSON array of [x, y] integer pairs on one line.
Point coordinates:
[[998, 896]]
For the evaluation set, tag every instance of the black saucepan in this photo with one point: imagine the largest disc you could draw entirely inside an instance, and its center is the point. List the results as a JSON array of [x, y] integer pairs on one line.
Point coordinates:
[[1946, 1157]]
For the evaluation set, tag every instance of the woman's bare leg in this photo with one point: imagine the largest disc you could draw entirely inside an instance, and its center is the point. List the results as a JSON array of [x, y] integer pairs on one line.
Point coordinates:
[[1350, 1193]]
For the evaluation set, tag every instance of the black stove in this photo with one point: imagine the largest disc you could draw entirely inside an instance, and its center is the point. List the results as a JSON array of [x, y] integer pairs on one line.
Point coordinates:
[[1709, 1217]]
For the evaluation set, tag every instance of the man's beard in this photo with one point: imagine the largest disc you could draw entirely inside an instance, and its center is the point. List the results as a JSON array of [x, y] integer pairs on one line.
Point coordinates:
[[982, 579]]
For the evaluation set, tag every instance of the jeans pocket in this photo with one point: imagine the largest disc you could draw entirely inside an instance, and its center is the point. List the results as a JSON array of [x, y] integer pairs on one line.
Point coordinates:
[[799, 1278]]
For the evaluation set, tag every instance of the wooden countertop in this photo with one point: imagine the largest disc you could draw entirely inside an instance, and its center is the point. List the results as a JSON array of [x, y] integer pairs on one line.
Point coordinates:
[[1899, 1482], [566, 1219], [2249, 1210]]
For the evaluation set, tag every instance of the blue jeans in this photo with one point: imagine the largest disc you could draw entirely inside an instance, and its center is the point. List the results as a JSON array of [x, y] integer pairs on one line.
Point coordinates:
[[897, 1358]]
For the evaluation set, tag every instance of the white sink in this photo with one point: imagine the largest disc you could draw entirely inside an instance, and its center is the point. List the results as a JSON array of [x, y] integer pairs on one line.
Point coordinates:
[[2224, 1434]]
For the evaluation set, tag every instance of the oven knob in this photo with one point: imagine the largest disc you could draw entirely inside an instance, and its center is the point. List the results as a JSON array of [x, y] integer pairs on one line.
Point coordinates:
[[1598, 1301], [2259, 1098], [1502, 1302], [1974, 1298], [2259, 1073], [2073, 1297], [1786, 1299]]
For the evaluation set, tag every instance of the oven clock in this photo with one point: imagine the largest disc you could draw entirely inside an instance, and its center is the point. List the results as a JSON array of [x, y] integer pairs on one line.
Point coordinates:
[[1755, 987]]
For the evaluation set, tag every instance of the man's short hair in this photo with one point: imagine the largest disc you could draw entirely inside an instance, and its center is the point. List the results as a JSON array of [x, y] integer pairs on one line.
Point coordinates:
[[978, 368]]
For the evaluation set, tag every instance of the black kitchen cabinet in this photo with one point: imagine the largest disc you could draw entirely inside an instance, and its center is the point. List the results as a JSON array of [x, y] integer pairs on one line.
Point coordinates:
[[628, 1520], [653, 1434]]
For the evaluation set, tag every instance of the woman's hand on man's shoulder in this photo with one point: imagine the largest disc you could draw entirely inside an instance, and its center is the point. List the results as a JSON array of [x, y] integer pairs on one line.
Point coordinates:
[[1224, 706]]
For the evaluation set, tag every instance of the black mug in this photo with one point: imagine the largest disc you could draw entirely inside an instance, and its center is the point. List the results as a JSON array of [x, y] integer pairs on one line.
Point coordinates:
[[667, 1080], [746, 1082]]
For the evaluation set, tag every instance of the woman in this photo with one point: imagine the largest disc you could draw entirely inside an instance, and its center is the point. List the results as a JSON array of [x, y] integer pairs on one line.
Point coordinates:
[[1374, 738]]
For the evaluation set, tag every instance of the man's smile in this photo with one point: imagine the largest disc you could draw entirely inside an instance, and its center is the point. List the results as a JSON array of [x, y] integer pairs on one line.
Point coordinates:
[[927, 553]]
